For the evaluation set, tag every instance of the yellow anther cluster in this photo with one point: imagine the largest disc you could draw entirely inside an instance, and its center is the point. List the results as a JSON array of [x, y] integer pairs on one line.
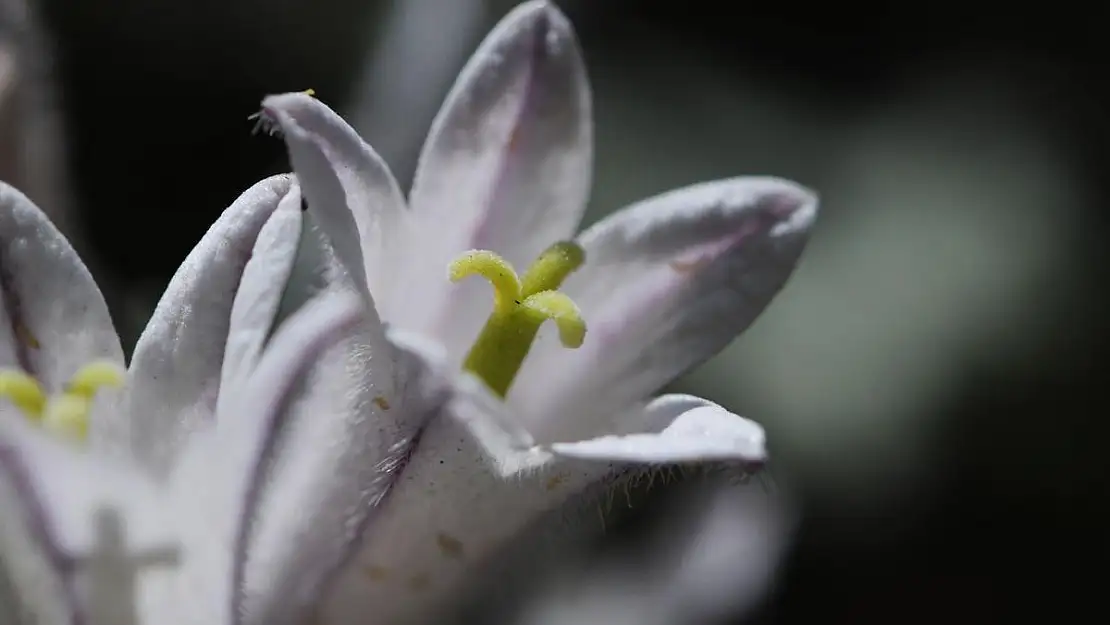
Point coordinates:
[[66, 413], [520, 306]]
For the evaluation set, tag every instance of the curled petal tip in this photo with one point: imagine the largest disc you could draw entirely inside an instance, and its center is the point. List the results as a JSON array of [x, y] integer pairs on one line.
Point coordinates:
[[781, 198], [786, 209], [548, 26], [795, 207], [795, 212], [281, 109], [287, 101], [535, 10]]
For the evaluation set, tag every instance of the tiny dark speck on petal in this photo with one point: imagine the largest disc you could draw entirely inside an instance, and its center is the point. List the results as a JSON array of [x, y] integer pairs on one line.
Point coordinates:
[[688, 266], [25, 335], [376, 573], [419, 582], [449, 545]]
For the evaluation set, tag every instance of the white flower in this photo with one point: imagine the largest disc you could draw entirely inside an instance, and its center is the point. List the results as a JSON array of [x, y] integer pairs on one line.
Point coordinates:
[[149, 521], [428, 496]]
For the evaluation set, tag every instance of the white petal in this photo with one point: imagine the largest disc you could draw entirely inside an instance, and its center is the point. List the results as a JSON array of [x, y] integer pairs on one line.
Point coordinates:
[[254, 311], [344, 444], [506, 167], [348, 187], [667, 283], [83, 541], [473, 485], [175, 370], [679, 428], [292, 264], [223, 470], [53, 318], [316, 279], [449, 510]]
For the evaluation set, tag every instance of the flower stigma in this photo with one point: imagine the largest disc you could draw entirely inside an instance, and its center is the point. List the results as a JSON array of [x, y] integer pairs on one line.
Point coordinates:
[[66, 413], [520, 306]]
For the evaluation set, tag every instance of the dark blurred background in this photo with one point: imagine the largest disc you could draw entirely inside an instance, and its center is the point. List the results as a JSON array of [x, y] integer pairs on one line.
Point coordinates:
[[931, 381]]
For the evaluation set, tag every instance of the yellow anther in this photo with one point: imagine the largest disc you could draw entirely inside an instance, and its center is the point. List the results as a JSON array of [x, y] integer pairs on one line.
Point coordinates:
[[95, 376], [309, 92], [506, 286], [24, 392], [520, 307], [68, 415]]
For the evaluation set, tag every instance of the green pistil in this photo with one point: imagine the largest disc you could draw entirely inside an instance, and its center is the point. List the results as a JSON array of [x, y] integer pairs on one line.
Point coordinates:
[[520, 306]]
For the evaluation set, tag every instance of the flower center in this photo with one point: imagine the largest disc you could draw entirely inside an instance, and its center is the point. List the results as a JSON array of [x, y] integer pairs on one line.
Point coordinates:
[[66, 413], [520, 306]]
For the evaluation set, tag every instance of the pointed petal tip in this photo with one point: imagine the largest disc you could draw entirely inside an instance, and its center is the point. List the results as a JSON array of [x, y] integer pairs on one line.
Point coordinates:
[[269, 191], [541, 12], [286, 108], [287, 101], [794, 209], [281, 184], [6, 189], [794, 206], [13, 200], [786, 202], [338, 173], [707, 433], [546, 27], [785, 210], [507, 165], [691, 417], [302, 116], [54, 311]]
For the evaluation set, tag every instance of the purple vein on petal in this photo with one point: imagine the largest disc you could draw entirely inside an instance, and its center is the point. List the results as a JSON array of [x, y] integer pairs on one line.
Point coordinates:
[[479, 239], [313, 340], [38, 524], [398, 467], [9, 298], [314, 337]]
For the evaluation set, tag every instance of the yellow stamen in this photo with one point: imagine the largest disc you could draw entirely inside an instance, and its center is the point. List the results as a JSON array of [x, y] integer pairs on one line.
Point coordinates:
[[520, 308], [66, 413], [68, 416], [24, 392], [95, 376]]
